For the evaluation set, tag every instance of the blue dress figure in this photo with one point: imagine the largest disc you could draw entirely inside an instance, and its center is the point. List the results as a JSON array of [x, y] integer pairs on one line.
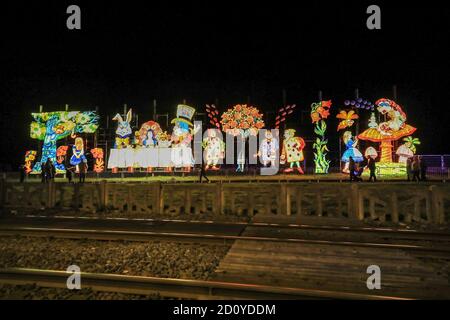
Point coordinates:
[[150, 139], [351, 151], [77, 153]]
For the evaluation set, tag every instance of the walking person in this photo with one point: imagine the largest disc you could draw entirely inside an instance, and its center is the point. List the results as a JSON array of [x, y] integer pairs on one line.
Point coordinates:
[[83, 169], [358, 172], [423, 169], [49, 169], [22, 171], [352, 168], [203, 174], [415, 167], [69, 175], [371, 166], [52, 170], [409, 168], [43, 172]]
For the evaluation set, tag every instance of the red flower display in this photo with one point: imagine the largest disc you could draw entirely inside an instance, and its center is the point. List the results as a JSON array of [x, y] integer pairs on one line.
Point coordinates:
[[242, 117]]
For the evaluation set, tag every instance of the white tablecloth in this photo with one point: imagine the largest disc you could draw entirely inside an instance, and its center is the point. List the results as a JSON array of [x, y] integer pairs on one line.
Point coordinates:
[[150, 157]]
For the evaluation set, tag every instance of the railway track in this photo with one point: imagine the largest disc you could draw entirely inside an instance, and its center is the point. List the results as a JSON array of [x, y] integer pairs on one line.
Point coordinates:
[[95, 234], [404, 233], [175, 288]]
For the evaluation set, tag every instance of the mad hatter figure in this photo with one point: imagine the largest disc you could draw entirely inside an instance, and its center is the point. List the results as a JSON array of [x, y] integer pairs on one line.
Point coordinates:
[[182, 134]]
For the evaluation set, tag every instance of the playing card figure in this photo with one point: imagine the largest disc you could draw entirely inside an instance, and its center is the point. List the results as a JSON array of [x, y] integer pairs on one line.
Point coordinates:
[[214, 150], [292, 151], [268, 149]]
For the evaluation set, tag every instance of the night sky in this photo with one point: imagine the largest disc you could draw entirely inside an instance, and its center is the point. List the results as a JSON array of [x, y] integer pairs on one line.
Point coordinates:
[[134, 52]]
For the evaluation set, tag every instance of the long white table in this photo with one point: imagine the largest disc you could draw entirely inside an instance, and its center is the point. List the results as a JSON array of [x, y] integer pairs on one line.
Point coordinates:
[[150, 157]]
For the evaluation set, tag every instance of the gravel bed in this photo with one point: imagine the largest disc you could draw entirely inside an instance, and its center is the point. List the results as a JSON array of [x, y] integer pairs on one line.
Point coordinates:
[[33, 292], [153, 258]]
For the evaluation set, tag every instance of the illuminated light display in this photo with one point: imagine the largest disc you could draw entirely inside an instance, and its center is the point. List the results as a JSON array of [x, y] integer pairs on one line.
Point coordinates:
[[182, 135], [360, 103], [77, 153], [53, 126], [268, 149], [371, 152], [123, 131], [282, 114], [147, 136], [389, 131], [347, 119], [351, 150], [407, 149], [292, 151], [242, 120], [213, 113], [319, 112], [372, 121], [61, 153], [30, 156], [214, 149], [99, 165], [163, 139], [386, 133]]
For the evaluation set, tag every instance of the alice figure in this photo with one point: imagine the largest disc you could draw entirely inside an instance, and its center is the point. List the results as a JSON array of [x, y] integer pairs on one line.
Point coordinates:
[[350, 144], [77, 153]]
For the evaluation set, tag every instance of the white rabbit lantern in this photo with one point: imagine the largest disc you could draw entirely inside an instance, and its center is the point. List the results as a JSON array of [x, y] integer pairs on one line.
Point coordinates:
[[123, 131]]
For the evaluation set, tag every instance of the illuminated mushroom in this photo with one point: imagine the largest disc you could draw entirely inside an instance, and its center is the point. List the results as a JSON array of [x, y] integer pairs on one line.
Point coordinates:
[[387, 132], [371, 152], [404, 153]]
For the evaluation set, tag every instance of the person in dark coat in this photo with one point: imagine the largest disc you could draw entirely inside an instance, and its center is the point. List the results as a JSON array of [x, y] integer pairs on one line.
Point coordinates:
[[69, 174], [423, 169], [352, 168], [23, 173], [371, 166], [83, 166], [415, 167], [409, 168], [50, 170], [43, 172], [203, 174]]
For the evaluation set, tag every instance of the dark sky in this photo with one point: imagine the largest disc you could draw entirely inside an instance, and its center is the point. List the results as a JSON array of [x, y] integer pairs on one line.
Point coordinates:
[[134, 52]]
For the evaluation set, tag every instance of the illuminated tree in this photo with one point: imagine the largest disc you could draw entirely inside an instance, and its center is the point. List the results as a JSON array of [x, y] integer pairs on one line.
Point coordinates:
[[53, 126]]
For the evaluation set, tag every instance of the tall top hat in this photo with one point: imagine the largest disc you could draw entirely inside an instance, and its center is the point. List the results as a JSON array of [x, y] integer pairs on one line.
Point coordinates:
[[184, 114]]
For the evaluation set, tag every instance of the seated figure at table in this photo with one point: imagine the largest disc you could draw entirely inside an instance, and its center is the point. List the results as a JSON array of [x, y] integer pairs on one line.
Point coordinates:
[[163, 139], [148, 134], [123, 131]]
